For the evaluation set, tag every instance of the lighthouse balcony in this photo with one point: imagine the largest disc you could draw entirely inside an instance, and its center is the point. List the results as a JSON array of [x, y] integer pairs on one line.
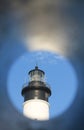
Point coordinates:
[[37, 84]]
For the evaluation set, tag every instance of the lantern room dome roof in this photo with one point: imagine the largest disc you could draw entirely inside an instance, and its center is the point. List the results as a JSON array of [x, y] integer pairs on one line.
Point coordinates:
[[36, 69]]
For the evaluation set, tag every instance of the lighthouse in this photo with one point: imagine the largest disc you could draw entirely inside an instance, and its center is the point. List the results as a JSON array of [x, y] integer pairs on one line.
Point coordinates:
[[36, 95]]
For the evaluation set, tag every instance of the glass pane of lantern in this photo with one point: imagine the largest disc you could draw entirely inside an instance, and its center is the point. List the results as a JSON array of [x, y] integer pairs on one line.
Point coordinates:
[[37, 76]]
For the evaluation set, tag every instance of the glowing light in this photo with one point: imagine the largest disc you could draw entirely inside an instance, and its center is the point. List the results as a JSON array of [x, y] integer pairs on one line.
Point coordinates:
[[60, 75]]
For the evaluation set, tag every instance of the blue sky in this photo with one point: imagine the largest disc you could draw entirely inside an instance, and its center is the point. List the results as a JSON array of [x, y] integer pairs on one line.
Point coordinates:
[[60, 75]]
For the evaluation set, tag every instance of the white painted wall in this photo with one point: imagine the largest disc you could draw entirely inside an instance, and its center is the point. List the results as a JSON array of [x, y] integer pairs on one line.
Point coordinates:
[[36, 109]]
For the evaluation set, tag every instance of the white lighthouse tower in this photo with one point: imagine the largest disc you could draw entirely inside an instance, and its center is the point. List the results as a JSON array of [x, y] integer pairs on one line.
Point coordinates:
[[36, 94]]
